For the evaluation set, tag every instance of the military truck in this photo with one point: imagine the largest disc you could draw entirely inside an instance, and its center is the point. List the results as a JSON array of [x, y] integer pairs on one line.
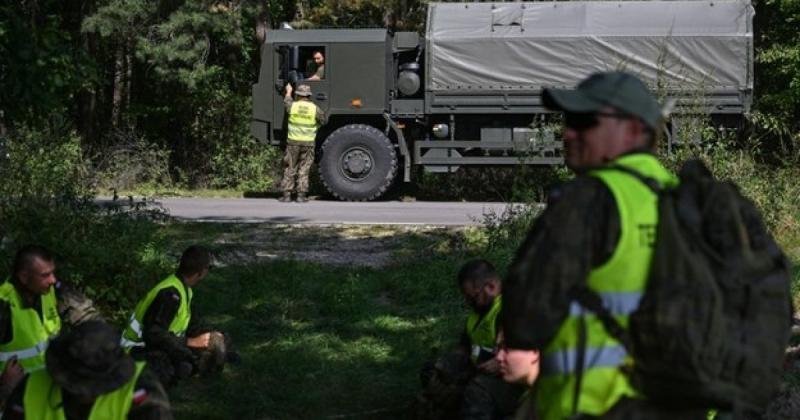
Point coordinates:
[[468, 92]]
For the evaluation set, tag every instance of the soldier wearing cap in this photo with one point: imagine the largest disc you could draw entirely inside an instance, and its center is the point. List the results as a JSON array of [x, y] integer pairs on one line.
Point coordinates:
[[33, 305], [89, 376], [304, 119], [165, 330], [596, 233]]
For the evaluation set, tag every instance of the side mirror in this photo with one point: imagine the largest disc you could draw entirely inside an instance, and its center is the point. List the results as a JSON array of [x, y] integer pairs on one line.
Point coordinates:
[[294, 76]]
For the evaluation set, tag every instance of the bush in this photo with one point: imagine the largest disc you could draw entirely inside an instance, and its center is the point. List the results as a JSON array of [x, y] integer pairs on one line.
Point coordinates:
[[245, 164], [767, 175], [132, 161], [767, 178], [47, 198]]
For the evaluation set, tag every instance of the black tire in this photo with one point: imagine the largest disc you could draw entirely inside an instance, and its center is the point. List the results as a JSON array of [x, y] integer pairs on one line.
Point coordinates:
[[358, 163]]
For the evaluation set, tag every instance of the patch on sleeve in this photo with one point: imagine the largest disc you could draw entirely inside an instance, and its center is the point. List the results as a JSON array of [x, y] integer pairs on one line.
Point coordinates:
[[139, 396]]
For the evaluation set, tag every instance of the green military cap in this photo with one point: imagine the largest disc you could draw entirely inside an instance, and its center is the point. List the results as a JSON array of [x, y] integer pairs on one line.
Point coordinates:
[[619, 90]]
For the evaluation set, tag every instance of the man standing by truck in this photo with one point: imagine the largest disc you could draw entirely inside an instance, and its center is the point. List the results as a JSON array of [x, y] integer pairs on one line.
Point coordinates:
[[304, 119]]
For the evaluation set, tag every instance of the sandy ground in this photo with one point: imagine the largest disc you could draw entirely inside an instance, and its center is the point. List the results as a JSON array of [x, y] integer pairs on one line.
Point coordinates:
[[370, 246]]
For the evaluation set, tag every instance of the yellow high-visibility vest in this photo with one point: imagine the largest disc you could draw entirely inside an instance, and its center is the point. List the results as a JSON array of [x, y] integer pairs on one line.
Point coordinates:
[[30, 333], [303, 121], [132, 336], [620, 282]]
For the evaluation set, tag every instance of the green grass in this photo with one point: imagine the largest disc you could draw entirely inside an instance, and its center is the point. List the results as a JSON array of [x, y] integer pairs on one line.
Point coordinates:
[[321, 340], [329, 341], [166, 191]]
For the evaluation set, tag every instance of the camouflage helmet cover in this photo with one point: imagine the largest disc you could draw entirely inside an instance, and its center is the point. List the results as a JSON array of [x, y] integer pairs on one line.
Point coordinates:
[[303, 90], [88, 360]]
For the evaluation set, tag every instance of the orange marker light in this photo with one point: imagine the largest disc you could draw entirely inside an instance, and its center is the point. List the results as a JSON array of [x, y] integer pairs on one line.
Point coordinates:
[[355, 102]]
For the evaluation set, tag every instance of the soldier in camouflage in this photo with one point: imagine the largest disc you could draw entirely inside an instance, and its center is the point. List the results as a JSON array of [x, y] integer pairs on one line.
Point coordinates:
[[597, 234], [466, 383], [166, 331], [304, 119]]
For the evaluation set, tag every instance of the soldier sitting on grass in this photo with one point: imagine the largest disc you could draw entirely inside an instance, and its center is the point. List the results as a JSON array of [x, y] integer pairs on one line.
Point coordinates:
[[467, 382], [33, 305], [164, 331]]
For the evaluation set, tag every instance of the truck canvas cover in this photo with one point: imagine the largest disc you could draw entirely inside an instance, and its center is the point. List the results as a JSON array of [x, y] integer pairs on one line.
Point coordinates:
[[677, 45]]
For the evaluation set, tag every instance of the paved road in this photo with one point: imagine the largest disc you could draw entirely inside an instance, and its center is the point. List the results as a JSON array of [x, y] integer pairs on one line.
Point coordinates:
[[269, 210]]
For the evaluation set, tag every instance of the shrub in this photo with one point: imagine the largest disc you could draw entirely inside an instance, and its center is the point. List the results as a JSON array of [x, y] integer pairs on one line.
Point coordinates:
[[132, 161], [245, 164], [112, 254]]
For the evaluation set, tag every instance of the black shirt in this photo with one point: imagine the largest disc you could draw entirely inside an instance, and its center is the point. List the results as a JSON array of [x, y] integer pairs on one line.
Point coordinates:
[[156, 322]]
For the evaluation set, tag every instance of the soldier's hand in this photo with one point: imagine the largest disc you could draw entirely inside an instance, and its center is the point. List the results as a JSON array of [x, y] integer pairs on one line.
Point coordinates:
[[12, 374], [288, 89], [491, 367], [199, 342]]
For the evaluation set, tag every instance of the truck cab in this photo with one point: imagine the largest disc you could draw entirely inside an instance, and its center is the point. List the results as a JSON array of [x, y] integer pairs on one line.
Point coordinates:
[[468, 92]]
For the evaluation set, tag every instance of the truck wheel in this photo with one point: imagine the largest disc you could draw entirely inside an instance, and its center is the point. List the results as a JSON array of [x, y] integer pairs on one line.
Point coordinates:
[[358, 163]]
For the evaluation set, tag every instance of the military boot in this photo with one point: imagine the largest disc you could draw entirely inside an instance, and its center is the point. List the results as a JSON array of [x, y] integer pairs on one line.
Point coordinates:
[[301, 197], [286, 198]]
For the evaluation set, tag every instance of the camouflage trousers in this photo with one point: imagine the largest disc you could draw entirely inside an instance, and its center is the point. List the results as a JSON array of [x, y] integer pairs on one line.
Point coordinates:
[[203, 362], [453, 389], [297, 162]]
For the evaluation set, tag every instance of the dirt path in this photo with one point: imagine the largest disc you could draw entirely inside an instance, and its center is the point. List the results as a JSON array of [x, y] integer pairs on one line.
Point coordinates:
[[370, 246]]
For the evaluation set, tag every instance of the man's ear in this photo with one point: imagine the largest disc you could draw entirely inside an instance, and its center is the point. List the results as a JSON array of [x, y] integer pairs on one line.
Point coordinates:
[[636, 132], [493, 286]]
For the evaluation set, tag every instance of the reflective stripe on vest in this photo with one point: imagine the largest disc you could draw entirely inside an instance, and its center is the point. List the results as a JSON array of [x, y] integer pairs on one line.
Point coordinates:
[[566, 361], [132, 336], [38, 349], [30, 333], [481, 329], [43, 399], [620, 282], [302, 121], [136, 329], [617, 303]]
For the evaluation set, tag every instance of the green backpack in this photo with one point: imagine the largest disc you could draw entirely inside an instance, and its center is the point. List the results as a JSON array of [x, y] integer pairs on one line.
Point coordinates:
[[714, 321]]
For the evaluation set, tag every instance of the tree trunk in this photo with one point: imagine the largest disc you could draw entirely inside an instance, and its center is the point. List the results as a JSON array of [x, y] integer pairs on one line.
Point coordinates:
[[127, 84], [119, 75]]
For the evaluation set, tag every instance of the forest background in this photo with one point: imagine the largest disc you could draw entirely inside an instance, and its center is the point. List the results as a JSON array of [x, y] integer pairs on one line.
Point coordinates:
[[105, 96], [158, 92]]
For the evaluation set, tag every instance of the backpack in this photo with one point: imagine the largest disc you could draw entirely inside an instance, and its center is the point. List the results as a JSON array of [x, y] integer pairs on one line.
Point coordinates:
[[714, 321]]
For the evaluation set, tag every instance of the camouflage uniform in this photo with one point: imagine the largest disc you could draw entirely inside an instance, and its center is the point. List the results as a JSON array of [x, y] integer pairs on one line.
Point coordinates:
[[443, 380], [454, 388], [167, 354], [299, 156]]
